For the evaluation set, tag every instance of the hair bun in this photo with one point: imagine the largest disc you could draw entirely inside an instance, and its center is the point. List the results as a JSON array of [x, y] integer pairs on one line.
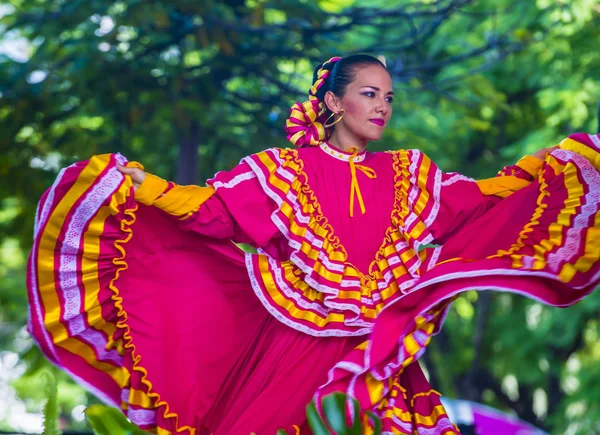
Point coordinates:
[[302, 127]]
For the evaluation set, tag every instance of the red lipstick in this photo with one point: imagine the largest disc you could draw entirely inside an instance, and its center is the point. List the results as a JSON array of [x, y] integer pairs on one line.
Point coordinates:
[[377, 121]]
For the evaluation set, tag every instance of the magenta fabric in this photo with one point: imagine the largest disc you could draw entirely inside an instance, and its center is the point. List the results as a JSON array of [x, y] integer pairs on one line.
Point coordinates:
[[210, 348]]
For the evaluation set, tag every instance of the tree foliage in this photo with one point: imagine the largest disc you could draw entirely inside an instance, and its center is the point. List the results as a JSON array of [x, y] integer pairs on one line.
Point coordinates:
[[190, 87]]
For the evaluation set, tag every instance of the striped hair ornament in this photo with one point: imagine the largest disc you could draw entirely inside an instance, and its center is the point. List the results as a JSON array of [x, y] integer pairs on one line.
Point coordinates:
[[305, 124]]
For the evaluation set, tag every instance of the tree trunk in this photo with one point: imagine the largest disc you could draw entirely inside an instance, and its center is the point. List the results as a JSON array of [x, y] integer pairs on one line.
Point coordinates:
[[187, 163]]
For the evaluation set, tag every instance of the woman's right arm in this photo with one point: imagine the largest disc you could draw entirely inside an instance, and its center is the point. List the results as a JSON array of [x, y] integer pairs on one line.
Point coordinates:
[[234, 205]]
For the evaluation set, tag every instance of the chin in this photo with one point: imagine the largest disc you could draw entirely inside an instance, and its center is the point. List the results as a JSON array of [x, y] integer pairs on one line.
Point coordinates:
[[373, 133], [372, 136], [369, 134]]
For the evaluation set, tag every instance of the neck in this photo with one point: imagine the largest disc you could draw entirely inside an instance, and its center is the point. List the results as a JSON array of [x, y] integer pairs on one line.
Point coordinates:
[[343, 140]]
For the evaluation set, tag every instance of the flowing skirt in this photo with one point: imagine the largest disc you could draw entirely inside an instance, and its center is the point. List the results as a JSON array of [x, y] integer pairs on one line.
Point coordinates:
[[162, 323]]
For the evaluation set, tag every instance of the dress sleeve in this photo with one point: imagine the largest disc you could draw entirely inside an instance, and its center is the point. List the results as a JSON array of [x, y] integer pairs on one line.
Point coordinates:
[[232, 206], [458, 200]]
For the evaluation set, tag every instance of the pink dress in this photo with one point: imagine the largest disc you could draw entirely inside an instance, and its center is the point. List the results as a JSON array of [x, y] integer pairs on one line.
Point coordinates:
[[148, 303]]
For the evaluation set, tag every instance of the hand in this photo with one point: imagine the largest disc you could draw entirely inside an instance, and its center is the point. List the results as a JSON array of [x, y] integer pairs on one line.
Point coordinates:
[[541, 154], [137, 175]]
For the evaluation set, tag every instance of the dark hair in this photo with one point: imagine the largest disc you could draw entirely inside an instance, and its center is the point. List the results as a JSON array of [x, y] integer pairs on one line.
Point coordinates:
[[343, 72]]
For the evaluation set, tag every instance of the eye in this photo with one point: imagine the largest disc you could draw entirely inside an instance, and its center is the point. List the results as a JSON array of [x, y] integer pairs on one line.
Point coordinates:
[[369, 94], [389, 99]]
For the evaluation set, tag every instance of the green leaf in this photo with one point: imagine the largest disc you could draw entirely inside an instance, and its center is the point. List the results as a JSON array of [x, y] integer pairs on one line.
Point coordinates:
[[110, 421], [316, 423], [376, 422], [51, 411], [357, 426], [334, 409]]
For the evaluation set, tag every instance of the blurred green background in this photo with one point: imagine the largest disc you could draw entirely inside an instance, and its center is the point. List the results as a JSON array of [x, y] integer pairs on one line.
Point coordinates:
[[189, 87]]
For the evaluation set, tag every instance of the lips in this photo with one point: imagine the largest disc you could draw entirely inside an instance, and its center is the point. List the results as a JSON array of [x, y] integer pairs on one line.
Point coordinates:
[[377, 121]]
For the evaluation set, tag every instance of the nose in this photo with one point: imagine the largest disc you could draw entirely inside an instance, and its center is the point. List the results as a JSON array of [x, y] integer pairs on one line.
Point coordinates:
[[382, 108]]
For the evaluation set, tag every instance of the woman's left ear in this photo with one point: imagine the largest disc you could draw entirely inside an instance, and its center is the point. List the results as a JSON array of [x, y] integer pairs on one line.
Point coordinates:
[[332, 102]]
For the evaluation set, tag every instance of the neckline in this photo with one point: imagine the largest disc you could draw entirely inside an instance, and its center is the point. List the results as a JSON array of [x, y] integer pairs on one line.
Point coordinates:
[[338, 154]]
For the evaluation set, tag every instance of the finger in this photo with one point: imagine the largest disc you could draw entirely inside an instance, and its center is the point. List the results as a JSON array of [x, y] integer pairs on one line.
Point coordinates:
[[124, 170]]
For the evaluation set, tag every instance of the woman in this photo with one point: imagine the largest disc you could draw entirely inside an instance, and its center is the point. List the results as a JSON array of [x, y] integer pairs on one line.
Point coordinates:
[[138, 292]]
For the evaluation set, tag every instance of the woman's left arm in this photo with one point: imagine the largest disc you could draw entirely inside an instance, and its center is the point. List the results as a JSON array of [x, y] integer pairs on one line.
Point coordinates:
[[458, 200]]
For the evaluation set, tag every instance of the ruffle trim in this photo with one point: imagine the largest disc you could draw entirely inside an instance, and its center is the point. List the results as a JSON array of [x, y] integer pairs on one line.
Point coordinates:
[[121, 324], [323, 285]]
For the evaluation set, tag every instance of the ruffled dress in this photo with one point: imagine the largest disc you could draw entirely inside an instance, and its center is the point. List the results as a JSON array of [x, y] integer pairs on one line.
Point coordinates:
[[148, 300]]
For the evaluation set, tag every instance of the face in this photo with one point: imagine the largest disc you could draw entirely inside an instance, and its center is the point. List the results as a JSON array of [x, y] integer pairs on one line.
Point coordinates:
[[366, 105]]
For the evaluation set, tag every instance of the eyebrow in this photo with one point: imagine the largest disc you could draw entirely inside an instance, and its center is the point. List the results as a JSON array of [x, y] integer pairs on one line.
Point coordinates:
[[377, 89]]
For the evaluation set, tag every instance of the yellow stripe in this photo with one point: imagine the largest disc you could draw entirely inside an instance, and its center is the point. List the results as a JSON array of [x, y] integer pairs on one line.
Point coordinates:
[[502, 186], [590, 256], [393, 288], [411, 344], [369, 313], [418, 231], [425, 420], [574, 193], [589, 153], [363, 345], [374, 388], [297, 136], [423, 176], [272, 167], [528, 228], [289, 306], [89, 272], [140, 398], [424, 394], [46, 267]]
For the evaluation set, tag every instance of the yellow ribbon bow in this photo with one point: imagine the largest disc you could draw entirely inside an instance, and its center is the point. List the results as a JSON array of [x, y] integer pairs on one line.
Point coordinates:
[[354, 187]]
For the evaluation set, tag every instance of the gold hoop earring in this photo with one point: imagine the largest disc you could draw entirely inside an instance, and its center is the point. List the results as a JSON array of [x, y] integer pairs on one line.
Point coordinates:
[[334, 122]]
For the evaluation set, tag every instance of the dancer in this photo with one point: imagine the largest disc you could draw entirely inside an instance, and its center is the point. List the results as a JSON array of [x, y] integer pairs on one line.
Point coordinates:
[[137, 290]]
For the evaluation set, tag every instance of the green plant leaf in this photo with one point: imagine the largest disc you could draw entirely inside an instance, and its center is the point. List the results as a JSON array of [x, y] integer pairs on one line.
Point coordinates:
[[376, 422], [357, 427], [51, 411], [334, 409], [316, 423], [110, 421]]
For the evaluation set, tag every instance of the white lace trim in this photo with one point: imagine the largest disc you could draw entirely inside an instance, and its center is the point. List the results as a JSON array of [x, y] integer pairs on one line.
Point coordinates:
[[437, 187], [288, 292], [340, 155], [574, 236], [456, 177], [434, 257], [292, 324], [234, 181], [39, 223], [595, 139], [68, 272], [142, 417]]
